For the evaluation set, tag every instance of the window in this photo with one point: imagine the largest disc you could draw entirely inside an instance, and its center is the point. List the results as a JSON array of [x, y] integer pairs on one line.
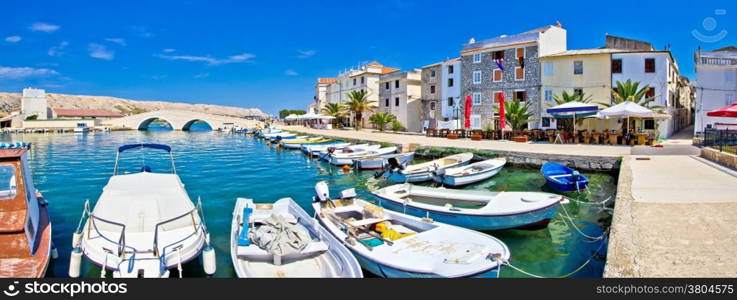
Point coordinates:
[[521, 53], [617, 66], [386, 85], [432, 105], [498, 75], [548, 68], [650, 92], [476, 57], [649, 65], [498, 54], [519, 73], [7, 182], [578, 67], [520, 95], [476, 99], [497, 97], [649, 124], [396, 84], [546, 122], [450, 101], [578, 91], [362, 80], [476, 77], [548, 95], [432, 73], [354, 81], [396, 101], [386, 102], [432, 89], [450, 69], [475, 122], [450, 82], [728, 99], [730, 76]]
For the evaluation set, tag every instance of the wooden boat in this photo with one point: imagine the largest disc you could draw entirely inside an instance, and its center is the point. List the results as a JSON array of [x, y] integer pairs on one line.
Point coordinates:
[[25, 228], [469, 174], [478, 210], [325, 154], [381, 161], [142, 225], [391, 244], [564, 179], [346, 158], [317, 254], [297, 143], [424, 171]]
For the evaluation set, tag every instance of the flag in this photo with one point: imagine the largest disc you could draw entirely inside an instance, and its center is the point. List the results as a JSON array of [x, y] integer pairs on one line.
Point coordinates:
[[468, 111], [502, 114], [499, 63]]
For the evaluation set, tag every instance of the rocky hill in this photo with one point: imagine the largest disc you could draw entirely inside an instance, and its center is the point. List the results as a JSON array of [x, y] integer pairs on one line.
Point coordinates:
[[11, 101]]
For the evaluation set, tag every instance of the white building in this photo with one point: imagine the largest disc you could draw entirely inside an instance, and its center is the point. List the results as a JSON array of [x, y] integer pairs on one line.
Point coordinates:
[[450, 93], [322, 91], [716, 85], [34, 103], [400, 95]]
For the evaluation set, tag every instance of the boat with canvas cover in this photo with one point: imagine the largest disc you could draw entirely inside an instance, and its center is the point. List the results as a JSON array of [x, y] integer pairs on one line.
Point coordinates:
[[281, 240], [478, 210], [424, 171], [326, 154], [25, 229], [297, 143], [143, 224], [564, 179], [469, 174], [381, 161], [395, 245], [346, 158]]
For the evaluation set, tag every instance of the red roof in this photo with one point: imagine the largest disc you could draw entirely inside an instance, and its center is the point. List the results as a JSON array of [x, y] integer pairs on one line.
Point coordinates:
[[327, 80], [75, 112]]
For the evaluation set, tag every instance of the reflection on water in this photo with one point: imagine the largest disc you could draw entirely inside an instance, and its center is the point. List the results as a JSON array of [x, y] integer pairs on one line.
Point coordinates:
[[69, 169]]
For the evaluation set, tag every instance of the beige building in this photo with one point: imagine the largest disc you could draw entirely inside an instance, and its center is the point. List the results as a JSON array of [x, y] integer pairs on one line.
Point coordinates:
[[400, 94]]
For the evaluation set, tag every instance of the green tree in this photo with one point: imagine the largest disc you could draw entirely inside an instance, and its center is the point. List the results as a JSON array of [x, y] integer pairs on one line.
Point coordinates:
[[334, 110], [285, 112], [380, 119], [631, 91], [565, 97], [358, 103], [518, 114]]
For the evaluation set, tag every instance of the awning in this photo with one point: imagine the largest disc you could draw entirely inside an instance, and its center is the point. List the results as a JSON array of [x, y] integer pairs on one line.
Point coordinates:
[[629, 109], [724, 112]]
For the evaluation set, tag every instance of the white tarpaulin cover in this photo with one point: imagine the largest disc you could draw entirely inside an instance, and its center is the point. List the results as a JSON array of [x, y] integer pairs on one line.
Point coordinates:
[[279, 237]]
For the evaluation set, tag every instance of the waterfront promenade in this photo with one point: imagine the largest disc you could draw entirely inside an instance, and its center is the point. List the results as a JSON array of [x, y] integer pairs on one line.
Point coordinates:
[[674, 214]]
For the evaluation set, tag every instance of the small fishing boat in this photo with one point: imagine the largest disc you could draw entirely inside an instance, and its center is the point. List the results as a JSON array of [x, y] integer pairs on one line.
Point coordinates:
[[325, 154], [564, 179], [25, 228], [346, 158], [381, 161], [283, 136], [142, 225], [478, 210], [282, 240], [263, 132], [315, 149], [297, 143], [469, 174], [391, 244], [424, 171]]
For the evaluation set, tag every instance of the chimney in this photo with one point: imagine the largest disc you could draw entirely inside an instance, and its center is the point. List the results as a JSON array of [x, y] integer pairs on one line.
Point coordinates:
[[471, 40], [558, 24]]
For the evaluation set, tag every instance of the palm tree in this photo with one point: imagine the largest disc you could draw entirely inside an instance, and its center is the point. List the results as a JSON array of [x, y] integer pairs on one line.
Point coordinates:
[[334, 110], [518, 114], [358, 103], [565, 97], [631, 91], [380, 119]]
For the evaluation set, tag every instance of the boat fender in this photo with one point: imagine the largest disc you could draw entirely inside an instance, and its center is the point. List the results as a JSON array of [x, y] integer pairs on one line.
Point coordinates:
[[76, 239], [75, 263], [208, 260], [54, 251]]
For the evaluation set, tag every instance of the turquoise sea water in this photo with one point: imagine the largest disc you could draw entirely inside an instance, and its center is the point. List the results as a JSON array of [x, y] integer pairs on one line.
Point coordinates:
[[69, 169]]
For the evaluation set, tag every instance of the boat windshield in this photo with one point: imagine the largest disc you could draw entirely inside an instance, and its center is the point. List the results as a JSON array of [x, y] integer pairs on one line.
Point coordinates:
[[150, 158], [8, 183]]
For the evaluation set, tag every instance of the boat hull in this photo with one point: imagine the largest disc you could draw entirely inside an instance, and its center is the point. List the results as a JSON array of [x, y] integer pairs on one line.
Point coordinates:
[[459, 181], [568, 187], [378, 163], [390, 272], [537, 219]]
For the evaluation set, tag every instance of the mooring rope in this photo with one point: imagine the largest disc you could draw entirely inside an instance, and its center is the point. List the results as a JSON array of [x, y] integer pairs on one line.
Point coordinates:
[[590, 203], [573, 225], [569, 274]]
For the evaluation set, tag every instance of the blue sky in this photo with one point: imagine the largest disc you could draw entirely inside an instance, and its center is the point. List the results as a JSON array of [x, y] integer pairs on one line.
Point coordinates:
[[267, 54]]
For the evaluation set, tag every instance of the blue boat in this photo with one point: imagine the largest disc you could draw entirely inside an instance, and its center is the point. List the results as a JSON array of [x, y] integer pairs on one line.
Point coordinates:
[[564, 179]]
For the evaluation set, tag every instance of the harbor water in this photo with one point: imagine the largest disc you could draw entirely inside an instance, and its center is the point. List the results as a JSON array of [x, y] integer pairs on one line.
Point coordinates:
[[218, 168]]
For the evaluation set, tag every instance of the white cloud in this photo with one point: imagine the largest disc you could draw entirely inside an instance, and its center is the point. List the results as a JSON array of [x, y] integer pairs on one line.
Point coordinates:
[[245, 57], [202, 75], [24, 72], [44, 27], [169, 50], [118, 41], [306, 53], [100, 51], [13, 39], [58, 50], [291, 72], [141, 31]]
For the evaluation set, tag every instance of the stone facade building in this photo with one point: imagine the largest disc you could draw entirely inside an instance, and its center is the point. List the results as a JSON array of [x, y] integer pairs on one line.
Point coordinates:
[[431, 94], [400, 95], [519, 75]]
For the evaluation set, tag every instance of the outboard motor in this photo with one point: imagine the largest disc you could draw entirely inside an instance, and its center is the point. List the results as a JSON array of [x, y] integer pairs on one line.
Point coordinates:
[[439, 172], [576, 176], [394, 164], [322, 192], [331, 150]]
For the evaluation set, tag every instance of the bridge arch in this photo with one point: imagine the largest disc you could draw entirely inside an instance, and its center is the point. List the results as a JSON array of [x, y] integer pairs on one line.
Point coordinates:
[[143, 125], [189, 123]]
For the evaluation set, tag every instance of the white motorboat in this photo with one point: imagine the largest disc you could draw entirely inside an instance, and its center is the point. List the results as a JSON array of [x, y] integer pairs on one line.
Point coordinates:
[[469, 174], [346, 158], [325, 155], [392, 244], [381, 161], [143, 225], [424, 171], [314, 150], [281, 240]]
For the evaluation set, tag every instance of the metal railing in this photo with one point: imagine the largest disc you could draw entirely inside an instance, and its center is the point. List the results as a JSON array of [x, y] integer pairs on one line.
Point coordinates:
[[724, 140], [196, 226]]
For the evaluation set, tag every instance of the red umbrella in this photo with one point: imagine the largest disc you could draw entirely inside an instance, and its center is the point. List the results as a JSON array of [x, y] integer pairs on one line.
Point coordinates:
[[502, 114], [468, 111], [727, 112]]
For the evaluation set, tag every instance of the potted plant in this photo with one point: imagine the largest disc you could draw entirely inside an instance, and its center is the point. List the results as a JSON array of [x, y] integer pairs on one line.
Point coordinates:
[[452, 136]]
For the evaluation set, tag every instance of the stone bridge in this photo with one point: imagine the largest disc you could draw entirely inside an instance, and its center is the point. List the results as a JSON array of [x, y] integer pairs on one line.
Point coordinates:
[[180, 120]]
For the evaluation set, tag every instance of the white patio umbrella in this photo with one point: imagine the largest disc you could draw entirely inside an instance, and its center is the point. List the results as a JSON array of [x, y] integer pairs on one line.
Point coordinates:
[[629, 109]]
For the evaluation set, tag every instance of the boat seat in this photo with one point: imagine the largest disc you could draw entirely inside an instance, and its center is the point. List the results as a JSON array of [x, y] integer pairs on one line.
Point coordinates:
[[12, 221], [561, 176], [254, 252], [367, 221]]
